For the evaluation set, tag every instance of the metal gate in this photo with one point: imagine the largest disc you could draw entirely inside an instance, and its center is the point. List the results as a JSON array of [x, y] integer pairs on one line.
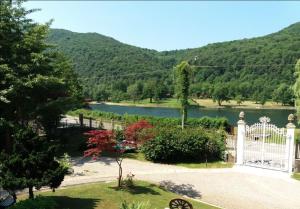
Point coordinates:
[[266, 146]]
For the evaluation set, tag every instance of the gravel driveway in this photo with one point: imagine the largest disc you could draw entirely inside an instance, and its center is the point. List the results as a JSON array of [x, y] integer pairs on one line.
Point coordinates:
[[232, 188]]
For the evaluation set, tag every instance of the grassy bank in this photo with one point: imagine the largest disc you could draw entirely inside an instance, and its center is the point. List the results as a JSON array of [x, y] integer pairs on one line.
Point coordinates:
[[106, 195], [209, 103], [171, 103], [206, 103]]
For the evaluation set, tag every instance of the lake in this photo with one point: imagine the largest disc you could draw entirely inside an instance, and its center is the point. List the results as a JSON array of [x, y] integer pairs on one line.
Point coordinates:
[[278, 116]]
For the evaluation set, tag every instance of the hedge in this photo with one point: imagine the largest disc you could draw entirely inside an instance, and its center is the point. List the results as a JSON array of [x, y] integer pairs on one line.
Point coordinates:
[[205, 122], [191, 144]]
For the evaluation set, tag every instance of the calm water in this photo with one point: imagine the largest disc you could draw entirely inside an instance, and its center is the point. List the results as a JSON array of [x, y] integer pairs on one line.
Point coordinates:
[[278, 117]]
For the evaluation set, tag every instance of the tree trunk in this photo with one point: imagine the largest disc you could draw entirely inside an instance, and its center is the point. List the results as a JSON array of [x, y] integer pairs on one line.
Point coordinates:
[[219, 102], [183, 117], [150, 99], [119, 161], [31, 195], [120, 176], [205, 159]]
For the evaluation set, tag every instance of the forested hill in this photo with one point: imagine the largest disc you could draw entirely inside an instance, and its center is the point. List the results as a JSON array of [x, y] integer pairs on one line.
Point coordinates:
[[102, 61], [250, 68]]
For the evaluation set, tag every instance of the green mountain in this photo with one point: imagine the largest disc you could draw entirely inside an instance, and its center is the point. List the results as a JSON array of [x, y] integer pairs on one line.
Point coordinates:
[[250, 68]]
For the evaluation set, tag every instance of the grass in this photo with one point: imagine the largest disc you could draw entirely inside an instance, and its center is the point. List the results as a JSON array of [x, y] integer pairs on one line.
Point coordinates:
[[217, 164], [209, 103], [296, 176], [170, 102], [136, 156], [106, 195]]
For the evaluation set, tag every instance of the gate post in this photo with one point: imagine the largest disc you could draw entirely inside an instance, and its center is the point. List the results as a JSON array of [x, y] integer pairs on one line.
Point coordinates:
[[241, 135], [290, 135], [81, 120]]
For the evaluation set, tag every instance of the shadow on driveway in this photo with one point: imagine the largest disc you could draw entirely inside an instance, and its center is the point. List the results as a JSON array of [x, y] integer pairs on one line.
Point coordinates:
[[181, 189]]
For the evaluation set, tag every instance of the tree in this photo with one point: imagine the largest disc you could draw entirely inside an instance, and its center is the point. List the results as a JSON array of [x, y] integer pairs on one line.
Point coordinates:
[[283, 94], [118, 96], [182, 72], [220, 94], [134, 91], [37, 86], [149, 89], [161, 91], [31, 163], [297, 88], [239, 99], [101, 94], [107, 141], [263, 97], [137, 132]]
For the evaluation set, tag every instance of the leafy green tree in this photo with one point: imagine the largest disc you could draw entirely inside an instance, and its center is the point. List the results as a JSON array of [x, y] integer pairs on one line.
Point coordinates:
[[161, 91], [263, 97], [134, 91], [220, 94], [297, 88], [118, 96], [283, 94], [102, 94], [37, 86], [183, 71], [149, 90], [239, 99], [30, 164]]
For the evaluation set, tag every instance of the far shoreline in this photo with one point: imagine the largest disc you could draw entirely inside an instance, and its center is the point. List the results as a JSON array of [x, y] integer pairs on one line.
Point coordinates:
[[202, 104]]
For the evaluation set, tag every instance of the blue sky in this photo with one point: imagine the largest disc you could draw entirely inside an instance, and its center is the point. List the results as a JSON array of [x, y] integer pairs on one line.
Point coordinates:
[[169, 25]]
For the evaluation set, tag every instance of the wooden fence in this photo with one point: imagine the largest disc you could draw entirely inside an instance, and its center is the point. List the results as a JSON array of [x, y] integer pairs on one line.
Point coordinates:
[[88, 122]]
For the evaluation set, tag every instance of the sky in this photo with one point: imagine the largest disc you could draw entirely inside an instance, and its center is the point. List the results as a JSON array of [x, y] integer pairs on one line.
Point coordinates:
[[169, 25]]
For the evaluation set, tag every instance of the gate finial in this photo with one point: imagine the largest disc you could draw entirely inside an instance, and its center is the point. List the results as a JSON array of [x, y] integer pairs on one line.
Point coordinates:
[[291, 118], [242, 115], [264, 119]]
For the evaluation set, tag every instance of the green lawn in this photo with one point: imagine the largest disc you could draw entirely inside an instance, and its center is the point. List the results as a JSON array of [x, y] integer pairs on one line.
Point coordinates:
[[170, 102], [219, 164], [105, 195], [296, 176]]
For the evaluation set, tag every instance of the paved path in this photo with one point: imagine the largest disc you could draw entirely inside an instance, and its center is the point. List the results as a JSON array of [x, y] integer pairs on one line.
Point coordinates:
[[236, 188]]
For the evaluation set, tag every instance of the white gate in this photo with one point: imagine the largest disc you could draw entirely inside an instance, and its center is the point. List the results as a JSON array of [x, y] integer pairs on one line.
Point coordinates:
[[265, 145]]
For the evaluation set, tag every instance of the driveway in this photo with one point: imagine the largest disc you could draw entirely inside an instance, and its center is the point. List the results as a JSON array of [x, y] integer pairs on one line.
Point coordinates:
[[232, 188]]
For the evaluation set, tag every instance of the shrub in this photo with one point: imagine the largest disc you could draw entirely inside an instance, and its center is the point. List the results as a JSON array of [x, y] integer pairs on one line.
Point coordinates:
[[205, 122], [37, 203], [128, 181], [190, 144], [139, 205]]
